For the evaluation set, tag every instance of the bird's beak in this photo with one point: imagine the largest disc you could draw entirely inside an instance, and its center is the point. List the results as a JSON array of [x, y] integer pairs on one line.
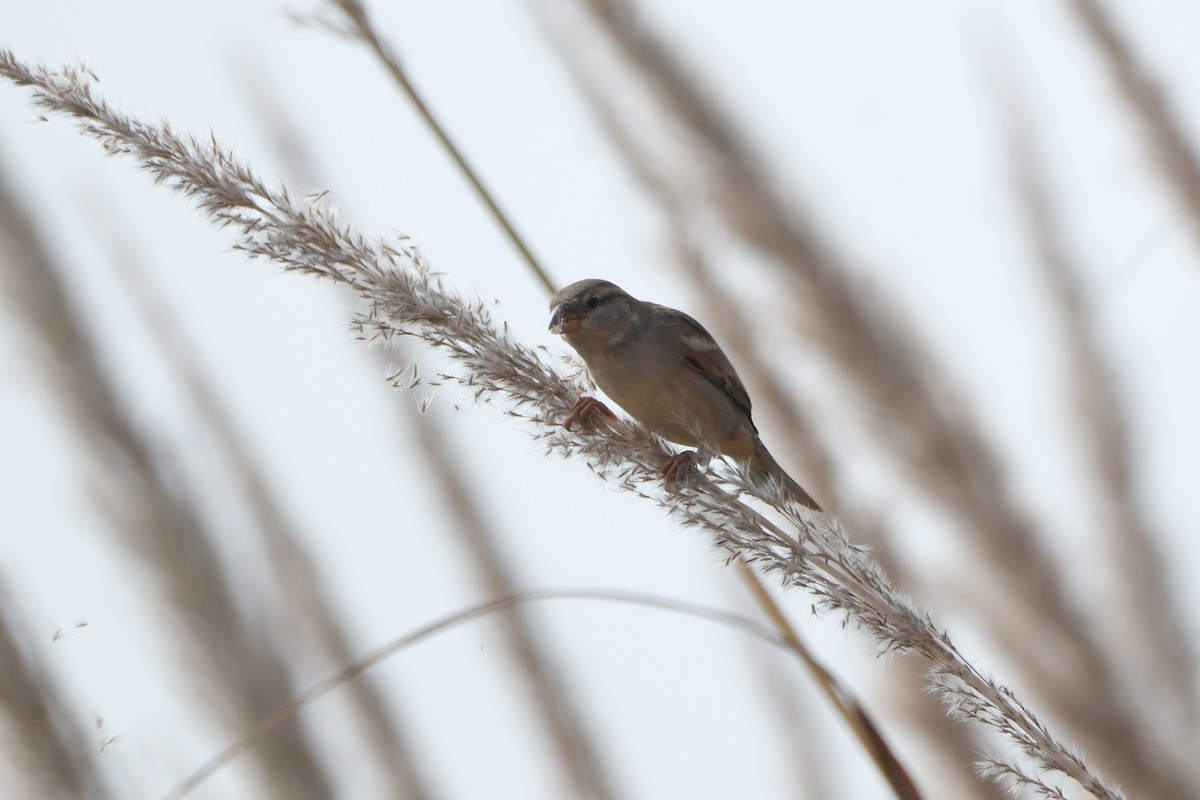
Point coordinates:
[[564, 321]]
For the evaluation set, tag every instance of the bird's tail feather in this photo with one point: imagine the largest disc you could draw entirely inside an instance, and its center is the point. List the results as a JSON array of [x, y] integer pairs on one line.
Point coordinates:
[[764, 467]]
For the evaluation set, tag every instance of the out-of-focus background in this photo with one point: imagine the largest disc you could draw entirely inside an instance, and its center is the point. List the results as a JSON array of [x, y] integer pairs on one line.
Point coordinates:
[[212, 497]]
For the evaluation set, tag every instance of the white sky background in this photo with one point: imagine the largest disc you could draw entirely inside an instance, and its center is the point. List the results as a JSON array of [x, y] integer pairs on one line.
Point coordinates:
[[881, 113]]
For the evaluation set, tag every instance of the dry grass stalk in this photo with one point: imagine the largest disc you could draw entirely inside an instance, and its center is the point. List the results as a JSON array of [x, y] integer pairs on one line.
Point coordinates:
[[1154, 733], [884, 363], [162, 526], [851, 709], [910, 401], [462, 616], [402, 296], [853, 712], [1171, 149], [47, 751], [359, 26], [308, 606], [958, 751], [566, 730], [565, 727], [810, 765]]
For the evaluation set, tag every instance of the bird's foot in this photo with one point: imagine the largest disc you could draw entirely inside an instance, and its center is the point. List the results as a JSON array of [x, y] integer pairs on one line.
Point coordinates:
[[679, 467], [585, 411]]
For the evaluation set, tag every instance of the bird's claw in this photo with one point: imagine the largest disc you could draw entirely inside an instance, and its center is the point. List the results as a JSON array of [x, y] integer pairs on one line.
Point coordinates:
[[585, 411], [679, 467]]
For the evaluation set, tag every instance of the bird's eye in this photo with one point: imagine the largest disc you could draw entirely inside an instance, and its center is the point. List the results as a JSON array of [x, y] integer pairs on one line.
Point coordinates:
[[593, 301]]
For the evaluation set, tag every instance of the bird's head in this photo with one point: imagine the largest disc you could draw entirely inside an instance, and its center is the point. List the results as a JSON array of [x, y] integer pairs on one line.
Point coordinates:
[[591, 312]]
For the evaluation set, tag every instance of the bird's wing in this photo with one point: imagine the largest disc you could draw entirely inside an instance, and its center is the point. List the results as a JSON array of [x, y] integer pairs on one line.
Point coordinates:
[[700, 351]]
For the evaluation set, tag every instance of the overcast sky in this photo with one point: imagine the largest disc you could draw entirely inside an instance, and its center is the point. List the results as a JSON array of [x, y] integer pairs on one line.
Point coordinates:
[[883, 117]]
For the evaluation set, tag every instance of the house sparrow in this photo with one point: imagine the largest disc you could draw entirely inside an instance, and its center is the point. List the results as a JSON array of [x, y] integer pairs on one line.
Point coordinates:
[[668, 372]]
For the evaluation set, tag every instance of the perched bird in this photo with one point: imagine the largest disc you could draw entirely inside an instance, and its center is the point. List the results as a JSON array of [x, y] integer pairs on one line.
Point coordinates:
[[668, 373]]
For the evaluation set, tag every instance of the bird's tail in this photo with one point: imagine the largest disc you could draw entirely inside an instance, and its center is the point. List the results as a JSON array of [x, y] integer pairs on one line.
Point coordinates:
[[764, 467]]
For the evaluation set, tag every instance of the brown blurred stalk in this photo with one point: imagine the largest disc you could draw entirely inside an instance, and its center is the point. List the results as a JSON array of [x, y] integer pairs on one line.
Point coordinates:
[[305, 601], [153, 514], [403, 296], [567, 731], [46, 749], [1154, 660], [1170, 147], [914, 408]]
